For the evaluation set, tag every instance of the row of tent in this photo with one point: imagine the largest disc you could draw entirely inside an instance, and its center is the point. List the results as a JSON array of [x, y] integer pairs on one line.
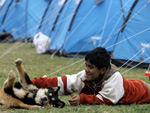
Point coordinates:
[[75, 27]]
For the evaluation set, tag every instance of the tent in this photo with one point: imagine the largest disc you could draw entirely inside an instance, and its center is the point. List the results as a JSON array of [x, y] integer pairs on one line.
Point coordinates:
[[95, 27], [21, 18], [134, 39], [78, 26]]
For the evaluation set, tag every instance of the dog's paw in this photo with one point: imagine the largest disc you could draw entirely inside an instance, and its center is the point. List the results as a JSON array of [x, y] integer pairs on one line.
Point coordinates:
[[11, 75], [18, 61]]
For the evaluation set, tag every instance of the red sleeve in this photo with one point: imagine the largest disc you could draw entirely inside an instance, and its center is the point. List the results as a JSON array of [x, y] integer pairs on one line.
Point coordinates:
[[135, 92], [42, 82], [90, 99]]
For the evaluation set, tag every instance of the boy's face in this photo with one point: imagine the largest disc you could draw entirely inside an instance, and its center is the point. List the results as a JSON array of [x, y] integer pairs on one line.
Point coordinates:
[[92, 72]]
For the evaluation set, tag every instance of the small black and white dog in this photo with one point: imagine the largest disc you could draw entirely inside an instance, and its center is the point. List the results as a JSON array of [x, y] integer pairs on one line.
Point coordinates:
[[27, 92]]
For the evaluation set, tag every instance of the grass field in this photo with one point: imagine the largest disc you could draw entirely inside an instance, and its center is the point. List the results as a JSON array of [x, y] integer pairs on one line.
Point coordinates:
[[39, 65]]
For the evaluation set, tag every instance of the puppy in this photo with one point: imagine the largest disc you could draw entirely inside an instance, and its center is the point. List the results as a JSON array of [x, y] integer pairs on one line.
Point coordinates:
[[8, 101], [26, 92]]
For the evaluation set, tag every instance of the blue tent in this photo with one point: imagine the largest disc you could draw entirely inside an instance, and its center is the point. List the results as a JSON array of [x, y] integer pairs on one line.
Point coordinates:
[[73, 24], [21, 18], [133, 43], [50, 16], [4, 7], [78, 26], [60, 30], [95, 25]]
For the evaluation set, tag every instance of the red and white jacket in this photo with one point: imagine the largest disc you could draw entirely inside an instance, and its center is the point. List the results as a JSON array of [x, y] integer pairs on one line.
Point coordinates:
[[112, 89]]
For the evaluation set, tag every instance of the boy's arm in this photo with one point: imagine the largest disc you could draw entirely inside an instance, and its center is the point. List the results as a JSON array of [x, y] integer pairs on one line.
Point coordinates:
[[42, 82], [68, 83]]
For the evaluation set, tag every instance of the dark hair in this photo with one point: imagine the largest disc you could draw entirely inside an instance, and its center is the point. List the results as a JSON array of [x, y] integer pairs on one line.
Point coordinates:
[[99, 57]]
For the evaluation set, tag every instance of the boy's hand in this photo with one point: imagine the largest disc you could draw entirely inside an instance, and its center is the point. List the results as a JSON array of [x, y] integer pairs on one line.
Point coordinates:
[[74, 100]]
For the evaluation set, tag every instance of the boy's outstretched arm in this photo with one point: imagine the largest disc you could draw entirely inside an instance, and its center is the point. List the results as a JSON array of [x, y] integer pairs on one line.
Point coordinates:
[[42, 82]]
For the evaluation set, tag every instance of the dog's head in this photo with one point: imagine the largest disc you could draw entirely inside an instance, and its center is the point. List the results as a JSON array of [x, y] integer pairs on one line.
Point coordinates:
[[53, 97], [40, 97], [48, 95]]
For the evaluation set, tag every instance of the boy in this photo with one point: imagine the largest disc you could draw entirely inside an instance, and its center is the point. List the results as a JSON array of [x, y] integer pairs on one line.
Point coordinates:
[[99, 83]]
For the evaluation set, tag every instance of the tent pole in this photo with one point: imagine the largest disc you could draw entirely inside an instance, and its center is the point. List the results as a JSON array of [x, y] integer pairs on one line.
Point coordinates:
[[72, 20], [45, 13], [122, 9], [125, 22], [26, 20], [74, 15], [128, 16], [58, 15], [59, 24], [6, 12]]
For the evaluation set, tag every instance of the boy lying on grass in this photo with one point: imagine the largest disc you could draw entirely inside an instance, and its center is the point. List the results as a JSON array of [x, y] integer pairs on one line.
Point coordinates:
[[99, 83]]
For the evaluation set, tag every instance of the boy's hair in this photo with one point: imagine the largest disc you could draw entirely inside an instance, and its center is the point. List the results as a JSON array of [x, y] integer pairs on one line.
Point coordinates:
[[98, 57]]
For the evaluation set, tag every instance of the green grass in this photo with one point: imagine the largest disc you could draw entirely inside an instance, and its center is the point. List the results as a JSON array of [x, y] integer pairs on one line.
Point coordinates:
[[39, 65]]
